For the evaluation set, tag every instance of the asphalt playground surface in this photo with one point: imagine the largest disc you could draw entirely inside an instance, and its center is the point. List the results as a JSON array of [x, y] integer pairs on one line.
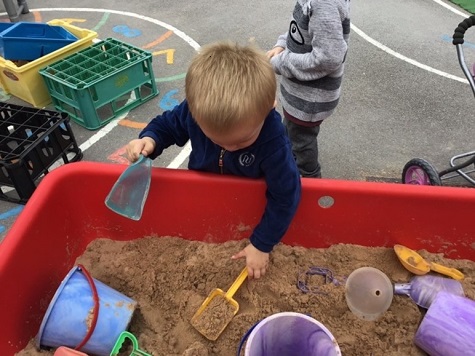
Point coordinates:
[[404, 93]]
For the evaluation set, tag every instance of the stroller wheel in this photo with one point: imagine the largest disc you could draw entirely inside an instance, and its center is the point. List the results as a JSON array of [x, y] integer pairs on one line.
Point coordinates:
[[420, 172]]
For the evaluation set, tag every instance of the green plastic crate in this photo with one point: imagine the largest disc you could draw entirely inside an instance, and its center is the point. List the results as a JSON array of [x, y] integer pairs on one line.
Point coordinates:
[[97, 84]]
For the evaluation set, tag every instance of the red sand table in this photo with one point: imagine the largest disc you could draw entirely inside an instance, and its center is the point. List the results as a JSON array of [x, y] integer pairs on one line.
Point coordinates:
[[67, 211]]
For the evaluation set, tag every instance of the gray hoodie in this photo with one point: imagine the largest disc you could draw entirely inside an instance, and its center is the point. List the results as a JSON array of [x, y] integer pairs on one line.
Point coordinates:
[[312, 64]]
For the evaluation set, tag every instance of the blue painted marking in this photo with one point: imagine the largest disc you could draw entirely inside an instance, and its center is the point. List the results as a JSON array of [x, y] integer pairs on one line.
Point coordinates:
[[12, 212], [168, 102], [127, 31], [448, 38], [8, 214], [4, 96]]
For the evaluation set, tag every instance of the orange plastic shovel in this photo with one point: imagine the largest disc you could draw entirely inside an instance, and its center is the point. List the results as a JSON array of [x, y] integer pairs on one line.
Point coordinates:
[[416, 264], [218, 310]]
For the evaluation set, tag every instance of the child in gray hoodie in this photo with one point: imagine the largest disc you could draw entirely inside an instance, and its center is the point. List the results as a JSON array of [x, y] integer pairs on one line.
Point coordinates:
[[310, 59]]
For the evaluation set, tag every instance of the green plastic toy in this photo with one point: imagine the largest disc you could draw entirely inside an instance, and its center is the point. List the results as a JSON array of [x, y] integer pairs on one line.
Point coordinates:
[[122, 337]]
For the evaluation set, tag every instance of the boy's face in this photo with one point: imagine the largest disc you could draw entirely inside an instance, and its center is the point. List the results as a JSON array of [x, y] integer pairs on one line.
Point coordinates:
[[240, 137]]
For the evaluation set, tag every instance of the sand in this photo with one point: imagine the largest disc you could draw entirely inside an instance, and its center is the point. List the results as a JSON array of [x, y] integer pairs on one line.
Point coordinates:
[[170, 278]]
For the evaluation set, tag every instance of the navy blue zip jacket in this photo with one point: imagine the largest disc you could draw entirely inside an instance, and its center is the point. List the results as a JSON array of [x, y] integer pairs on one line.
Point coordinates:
[[270, 157]]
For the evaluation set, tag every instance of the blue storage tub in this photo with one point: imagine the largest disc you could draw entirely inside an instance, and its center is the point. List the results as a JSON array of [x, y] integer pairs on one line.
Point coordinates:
[[5, 25], [31, 40]]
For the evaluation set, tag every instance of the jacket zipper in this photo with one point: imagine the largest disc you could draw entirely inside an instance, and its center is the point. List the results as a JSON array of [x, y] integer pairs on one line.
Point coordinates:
[[221, 160]]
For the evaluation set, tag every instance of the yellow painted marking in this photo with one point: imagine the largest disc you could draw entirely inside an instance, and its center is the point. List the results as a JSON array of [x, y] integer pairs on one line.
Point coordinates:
[[168, 52]]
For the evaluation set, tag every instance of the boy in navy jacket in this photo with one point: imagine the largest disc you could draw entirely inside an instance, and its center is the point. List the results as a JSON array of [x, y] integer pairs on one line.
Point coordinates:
[[229, 117]]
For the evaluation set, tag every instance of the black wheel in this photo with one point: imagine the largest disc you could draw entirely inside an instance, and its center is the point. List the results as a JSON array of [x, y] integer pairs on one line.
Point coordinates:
[[420, 172]]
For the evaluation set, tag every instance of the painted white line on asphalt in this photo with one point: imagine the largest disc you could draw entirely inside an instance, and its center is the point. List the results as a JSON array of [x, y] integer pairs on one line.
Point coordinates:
[[176, 31], [451, 8], [185, 152], [182, 156], [102, 132], [404, 58], [409, 60], [187, 148]]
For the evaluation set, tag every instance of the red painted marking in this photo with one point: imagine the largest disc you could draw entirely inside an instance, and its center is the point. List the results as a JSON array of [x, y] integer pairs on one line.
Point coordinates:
[[117, 156]]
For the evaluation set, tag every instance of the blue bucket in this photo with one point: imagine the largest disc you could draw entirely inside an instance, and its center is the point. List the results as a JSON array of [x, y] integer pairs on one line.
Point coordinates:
[[288, 334], [85, 314]]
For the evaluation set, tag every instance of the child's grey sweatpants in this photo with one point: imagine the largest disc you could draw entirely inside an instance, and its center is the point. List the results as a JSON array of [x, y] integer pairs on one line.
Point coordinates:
[[305, 148]]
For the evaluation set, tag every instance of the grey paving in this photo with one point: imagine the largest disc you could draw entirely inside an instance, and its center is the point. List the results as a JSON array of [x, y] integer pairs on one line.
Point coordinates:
[[391, 110]]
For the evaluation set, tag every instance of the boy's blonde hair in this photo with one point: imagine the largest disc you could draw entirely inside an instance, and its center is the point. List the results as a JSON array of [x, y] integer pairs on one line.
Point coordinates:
[[228, 84]]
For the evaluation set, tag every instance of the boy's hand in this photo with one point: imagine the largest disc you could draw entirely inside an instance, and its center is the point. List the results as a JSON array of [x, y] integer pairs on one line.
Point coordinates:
[[144, 146], [256, 261], [274, 51]]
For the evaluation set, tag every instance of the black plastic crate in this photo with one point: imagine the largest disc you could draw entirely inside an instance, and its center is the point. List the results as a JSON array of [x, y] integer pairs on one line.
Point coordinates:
[[31, 141]]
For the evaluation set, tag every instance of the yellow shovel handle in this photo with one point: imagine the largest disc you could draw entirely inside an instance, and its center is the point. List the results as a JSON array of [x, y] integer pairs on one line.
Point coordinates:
[[451, 272], [237, 283]]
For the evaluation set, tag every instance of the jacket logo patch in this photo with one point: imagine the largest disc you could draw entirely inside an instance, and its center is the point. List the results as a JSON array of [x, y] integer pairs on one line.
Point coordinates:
[[295, 33], [246, 159]]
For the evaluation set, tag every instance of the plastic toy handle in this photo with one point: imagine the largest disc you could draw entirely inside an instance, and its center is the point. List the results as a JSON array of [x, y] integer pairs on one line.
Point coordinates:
[[402, 289], [135, 345], [95, 298], [451, 272], [463, 26], [237, 283]]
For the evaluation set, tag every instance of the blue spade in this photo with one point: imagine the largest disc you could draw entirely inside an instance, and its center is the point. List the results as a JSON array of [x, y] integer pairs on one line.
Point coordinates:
[[128, 195]]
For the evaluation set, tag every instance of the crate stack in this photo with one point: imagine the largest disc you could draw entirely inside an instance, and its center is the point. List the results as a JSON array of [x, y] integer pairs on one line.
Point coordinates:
[[31, 141], [89, 83], [100, 82], [20, 76]]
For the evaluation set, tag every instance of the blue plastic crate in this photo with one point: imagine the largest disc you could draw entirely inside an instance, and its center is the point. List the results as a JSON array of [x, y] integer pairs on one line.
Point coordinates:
[[31, 40], [5, 25]]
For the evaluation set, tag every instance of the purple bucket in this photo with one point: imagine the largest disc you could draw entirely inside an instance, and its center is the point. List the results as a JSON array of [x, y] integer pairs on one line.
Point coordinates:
[[288, 334], [448, 328]]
